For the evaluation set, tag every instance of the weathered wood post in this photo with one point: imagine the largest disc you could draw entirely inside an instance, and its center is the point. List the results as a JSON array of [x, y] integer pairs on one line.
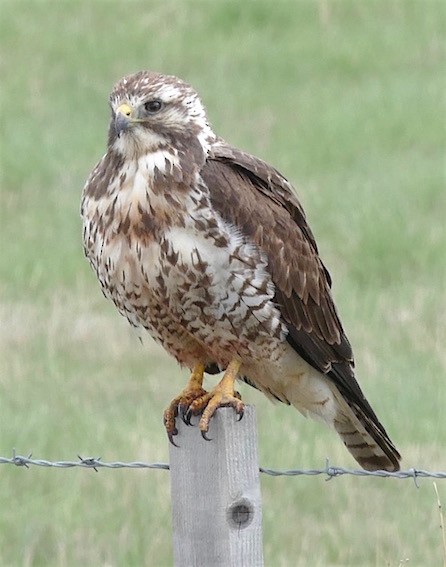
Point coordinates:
[[216, 501]]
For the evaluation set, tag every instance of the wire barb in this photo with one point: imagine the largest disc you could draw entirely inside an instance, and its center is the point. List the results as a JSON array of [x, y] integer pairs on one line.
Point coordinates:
[[90, 462], [19, 461]]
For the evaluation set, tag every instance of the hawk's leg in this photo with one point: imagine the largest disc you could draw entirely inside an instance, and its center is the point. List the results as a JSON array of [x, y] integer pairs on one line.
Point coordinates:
[[181, 404], [221, 396]]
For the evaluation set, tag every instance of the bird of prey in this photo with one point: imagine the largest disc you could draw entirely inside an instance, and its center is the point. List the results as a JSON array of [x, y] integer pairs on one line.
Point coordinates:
[[208, 249]]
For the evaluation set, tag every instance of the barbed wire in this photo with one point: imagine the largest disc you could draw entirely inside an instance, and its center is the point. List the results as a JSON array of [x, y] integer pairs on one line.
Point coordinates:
[[329, 471]]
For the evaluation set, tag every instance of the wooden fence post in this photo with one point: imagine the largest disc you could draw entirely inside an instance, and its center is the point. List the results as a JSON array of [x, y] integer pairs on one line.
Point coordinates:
[[215, 487]]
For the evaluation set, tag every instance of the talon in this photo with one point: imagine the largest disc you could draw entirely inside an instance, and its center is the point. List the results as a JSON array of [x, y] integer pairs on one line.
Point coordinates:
[[194, 401], [240, 410], [181, 405], [169, 424], [171, 434], [182, 412], [188, 417], [205, 436]]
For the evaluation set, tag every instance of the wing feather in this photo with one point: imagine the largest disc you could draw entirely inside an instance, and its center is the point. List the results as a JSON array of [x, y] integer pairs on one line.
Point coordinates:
[[260, 201], [257, 198]]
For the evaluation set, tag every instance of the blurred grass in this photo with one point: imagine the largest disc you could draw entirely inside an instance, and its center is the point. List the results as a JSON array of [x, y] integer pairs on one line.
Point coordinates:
[[345, 98]]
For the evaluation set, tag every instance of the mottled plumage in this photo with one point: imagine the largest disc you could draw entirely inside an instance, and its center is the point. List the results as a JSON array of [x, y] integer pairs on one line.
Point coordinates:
[[208, 249]]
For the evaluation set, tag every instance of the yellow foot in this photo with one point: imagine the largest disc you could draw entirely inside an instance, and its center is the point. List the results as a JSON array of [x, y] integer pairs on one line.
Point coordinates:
[[223, 395], [181, 404], [194, 400]]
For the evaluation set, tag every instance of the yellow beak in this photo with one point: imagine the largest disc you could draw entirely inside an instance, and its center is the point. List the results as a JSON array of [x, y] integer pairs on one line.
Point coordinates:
[[123, 118], [125, 109]]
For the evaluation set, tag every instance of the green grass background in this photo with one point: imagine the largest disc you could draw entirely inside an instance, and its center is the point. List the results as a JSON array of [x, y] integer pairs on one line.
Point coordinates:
[[345, 98]]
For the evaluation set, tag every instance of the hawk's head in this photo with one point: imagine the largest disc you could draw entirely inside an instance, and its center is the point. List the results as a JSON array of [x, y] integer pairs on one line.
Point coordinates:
[[152, 111]]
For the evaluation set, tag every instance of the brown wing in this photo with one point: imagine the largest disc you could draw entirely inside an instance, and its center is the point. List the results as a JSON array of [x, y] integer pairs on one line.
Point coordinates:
[[257, 198]]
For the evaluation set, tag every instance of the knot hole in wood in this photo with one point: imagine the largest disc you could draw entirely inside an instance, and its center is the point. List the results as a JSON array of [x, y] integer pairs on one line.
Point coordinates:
[[241, 513]]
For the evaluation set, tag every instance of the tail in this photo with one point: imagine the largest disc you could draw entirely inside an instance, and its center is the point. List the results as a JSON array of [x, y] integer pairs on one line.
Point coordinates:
[[365, 437]]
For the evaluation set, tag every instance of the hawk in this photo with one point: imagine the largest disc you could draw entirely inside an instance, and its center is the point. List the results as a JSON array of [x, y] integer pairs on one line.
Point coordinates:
[[208, 249]]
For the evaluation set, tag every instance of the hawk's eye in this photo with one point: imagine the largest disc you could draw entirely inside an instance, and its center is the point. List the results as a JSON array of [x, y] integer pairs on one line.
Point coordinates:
[[153, 106]]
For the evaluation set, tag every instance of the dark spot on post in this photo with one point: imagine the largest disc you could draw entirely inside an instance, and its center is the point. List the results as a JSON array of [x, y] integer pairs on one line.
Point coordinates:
[[240, 514]]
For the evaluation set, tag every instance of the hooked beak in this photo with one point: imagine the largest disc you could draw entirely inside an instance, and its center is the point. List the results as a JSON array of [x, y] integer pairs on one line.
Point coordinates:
[[123, 118]]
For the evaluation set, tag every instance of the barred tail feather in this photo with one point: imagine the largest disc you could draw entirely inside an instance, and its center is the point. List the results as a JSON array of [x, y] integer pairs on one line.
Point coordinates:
[[365, 438], [317, 396]]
